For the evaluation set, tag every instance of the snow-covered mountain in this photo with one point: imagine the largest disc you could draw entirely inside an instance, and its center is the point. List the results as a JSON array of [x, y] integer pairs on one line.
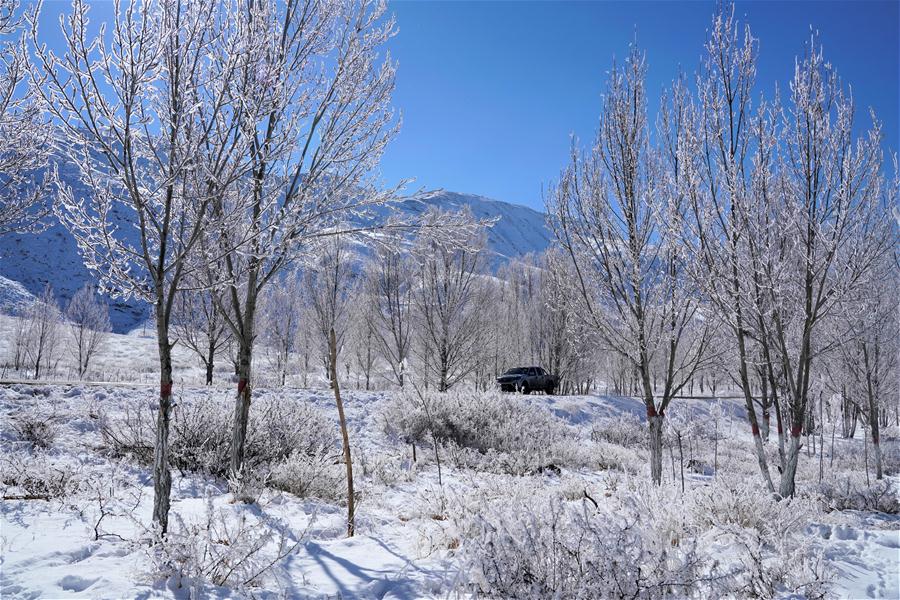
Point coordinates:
[[34, 260]]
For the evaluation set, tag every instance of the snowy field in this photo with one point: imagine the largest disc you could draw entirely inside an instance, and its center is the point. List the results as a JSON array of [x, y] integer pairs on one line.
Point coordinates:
[[542, 485], [75, 513]]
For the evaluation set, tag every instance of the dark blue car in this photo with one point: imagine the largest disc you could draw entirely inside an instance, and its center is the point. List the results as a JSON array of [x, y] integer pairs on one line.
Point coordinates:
[[527, 380]]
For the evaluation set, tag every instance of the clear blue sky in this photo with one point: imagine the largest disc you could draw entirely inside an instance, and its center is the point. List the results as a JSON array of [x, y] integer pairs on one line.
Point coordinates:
[[490, 91]]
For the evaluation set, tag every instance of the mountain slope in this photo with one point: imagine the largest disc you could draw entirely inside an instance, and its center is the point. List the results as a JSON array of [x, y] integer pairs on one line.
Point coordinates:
[[34, 260]]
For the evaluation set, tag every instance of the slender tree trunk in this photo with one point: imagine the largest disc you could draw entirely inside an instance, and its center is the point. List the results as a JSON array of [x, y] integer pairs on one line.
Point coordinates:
[[241, 409], [210, 357], [332, 349], [655, 422], [871, 387], [765, 402], [716, 450], [779, 421], [821, 440], [876, 451], [866, 456], [833, 430], [162, 477], [672, 458], [786, 488]]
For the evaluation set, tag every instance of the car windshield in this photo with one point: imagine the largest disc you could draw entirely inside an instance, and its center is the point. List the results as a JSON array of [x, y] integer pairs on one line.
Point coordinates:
[[519, 371]]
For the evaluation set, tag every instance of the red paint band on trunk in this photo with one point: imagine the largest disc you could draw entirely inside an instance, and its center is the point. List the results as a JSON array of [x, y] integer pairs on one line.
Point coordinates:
[[165, 389], [755, 429], [242, 385], [651, 411], [795, 431]]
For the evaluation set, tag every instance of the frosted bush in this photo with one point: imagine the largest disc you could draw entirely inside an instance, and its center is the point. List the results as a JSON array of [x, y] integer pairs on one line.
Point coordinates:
[[321, 474], [549, 548], [226, 547], [381, 469], [624, 430], [200, 437], [34, 476], [129, 435], [486, 431], [850, 491], [611, 457], [643, 541], [35, 428]]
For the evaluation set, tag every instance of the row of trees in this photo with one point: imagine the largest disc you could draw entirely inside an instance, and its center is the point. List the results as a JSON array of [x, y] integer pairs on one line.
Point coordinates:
[[42, 331], [421, 308], [241, 138], [232, 135], [766, 228]]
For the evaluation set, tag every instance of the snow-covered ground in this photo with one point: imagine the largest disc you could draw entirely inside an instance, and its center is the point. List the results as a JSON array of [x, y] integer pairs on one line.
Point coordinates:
[[76, 514], [406, 545]]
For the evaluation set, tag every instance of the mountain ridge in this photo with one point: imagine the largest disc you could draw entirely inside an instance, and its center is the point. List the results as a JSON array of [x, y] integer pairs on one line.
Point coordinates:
[[28, 262]]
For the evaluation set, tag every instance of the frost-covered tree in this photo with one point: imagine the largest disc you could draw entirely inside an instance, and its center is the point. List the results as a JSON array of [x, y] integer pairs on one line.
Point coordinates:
[[329, 282], [199, 326], [327, 89], [611, 212], [567, 347], [88, 320], [141, 107], [834, 228], [450, 299], [722, 216], [23, 131], [280, 317], [389, 282], [863, 370], [41, 333], [362, 338], [788, 221]]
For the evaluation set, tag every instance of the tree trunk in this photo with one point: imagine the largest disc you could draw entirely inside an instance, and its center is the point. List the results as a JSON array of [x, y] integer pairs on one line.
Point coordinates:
[[876, 450], [332, 349], [162, 477], [779, 420], [786, 488], [655, 422], [241, 408], [210, 357]]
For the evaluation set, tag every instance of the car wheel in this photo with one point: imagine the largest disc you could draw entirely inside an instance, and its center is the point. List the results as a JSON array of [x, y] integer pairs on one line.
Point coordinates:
[[525, 389], [551, 390]]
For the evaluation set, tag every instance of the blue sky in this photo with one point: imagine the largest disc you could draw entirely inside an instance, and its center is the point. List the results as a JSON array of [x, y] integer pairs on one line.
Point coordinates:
[[490, 91]]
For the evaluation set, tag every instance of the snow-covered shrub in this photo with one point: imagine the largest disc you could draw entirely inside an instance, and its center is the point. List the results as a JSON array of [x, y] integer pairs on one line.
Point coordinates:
[[547, 548], [200, 435], [319, 475], [624, 430], [849, 491], [642, 541], [612, 457], [35, 428], [129, 435], [764, 539], [891, 432], [107, 497], [227, 547], [33, 476], [485, 431], [382, 469]]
